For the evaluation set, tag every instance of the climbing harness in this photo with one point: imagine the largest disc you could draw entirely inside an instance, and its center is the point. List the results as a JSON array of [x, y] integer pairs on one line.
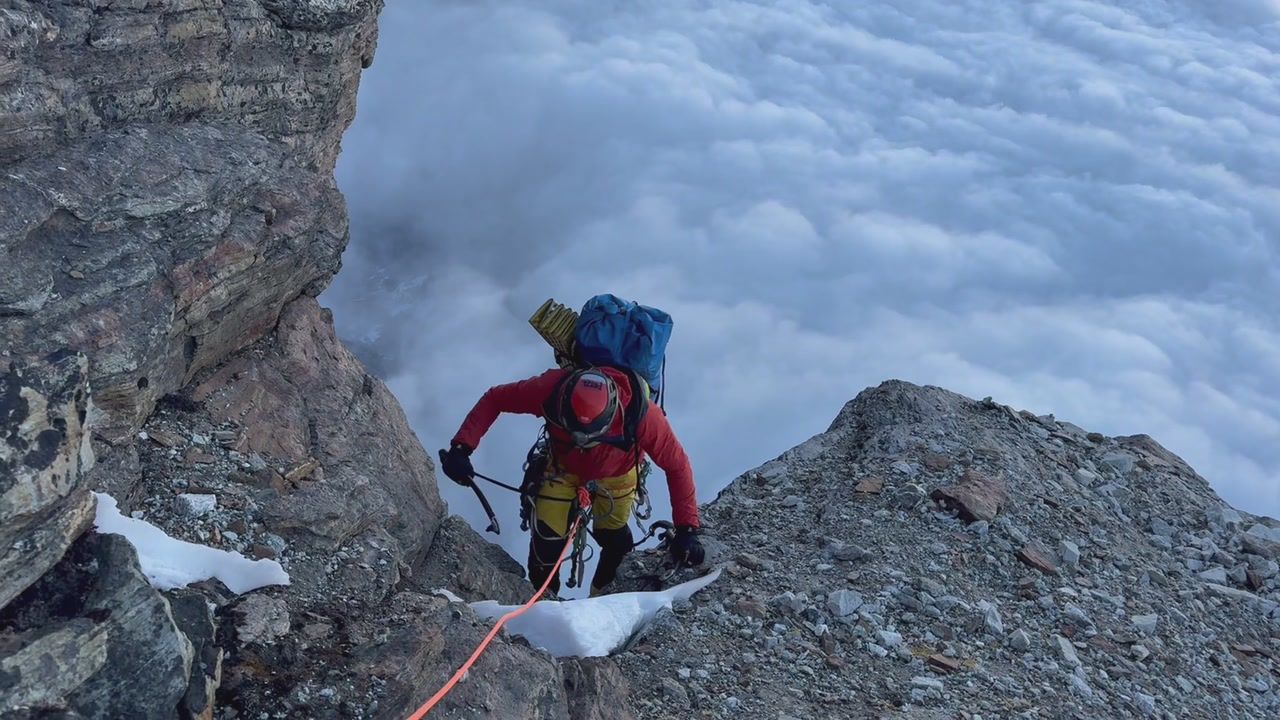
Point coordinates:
[[584, 510]]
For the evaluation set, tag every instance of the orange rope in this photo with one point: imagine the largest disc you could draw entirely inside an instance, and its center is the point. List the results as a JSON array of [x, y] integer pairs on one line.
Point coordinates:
[[584, 502]]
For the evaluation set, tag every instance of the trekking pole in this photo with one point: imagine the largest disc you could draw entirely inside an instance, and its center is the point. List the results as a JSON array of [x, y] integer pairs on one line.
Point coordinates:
[[484, 502]]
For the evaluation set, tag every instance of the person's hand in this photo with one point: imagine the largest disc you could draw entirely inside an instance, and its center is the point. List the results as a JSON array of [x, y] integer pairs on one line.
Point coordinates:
[[686, 548], [456, 464]]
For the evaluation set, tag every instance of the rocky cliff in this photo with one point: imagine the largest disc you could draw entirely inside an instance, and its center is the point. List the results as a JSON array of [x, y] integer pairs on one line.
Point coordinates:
[[167, 216]]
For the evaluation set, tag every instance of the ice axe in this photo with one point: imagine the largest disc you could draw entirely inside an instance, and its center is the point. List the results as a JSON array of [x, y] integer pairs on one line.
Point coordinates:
[[488, 509]]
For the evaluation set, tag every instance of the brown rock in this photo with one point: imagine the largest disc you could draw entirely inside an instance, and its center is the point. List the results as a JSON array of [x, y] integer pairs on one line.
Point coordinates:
[[165, 439], [1254, 580], [936, 462], [301, 472], [944, 664], [196, 456], [748, 607], [262, 552], [976, 497], [238, 527], [1036, 556], [870, 485], [750, 561]]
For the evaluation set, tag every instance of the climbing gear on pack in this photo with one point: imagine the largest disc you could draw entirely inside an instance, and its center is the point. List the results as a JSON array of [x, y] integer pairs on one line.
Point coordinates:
[[556, 324], [464, 452], [585, 405], [686, 548], [584, 503], [456, 464]]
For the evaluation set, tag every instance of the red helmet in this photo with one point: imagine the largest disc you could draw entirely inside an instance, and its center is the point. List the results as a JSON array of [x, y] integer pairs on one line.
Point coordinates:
[[585, 404]]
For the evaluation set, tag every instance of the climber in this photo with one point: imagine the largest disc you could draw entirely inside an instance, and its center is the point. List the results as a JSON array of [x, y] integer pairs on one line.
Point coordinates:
[[598, 429]]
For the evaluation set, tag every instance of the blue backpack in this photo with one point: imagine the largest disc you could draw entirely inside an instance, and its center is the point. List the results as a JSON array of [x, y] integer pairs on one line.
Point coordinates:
[[623, 334]]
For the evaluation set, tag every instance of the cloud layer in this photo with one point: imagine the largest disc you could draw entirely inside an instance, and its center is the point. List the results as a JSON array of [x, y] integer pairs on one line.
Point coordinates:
[[1071, 206]]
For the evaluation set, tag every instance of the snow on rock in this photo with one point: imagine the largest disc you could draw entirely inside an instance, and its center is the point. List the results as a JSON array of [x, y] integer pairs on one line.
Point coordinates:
[[590, 627], [169, 563]]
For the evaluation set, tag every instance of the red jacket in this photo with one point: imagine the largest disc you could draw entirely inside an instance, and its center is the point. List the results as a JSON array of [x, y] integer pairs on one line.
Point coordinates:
[[654, 438]]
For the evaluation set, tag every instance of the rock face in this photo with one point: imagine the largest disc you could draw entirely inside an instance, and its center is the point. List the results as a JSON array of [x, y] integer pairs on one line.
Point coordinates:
[[44, 451], [954, 613], [167, 181], [92, 637]]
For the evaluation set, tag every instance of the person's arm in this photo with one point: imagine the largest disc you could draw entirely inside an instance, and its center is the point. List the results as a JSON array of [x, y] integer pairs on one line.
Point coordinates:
[[656, 438], [524, 397]]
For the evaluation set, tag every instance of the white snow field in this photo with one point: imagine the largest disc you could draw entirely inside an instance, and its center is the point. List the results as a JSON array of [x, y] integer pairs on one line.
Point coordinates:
[[590, 627], [169, 563]]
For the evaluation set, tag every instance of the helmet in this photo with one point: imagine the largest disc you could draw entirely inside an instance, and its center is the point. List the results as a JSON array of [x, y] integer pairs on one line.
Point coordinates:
[[585, 405]]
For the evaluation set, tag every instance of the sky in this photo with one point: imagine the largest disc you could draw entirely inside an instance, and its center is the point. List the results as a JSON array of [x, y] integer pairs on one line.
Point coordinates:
[[1070, 206]]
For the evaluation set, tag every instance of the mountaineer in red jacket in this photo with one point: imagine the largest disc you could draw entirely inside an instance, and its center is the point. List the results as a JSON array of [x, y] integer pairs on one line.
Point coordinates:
[[597, 430]]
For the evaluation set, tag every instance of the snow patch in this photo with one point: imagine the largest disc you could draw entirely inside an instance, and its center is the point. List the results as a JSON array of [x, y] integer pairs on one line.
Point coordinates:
[[169, 563], [590, 627]]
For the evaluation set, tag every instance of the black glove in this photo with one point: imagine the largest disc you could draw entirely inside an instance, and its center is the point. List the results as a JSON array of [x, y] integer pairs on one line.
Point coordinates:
[[686, 548], [456, 463]]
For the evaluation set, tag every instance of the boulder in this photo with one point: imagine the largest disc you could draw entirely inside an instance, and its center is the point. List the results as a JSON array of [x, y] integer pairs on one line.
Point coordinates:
[[44, 453], [92, 637], [976, 497]]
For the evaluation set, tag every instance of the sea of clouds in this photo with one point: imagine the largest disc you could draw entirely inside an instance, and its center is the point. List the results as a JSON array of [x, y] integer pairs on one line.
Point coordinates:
[[1071, 206]]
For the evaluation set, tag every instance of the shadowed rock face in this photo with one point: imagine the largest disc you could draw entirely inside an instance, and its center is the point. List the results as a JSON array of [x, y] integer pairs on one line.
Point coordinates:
[[94, 638]]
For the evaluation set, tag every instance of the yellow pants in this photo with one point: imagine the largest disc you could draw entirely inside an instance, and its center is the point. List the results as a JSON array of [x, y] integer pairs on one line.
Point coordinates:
[[610, 508]]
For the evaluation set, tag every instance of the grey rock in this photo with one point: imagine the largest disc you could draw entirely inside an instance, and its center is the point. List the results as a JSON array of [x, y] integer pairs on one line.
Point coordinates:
[[261, 619], [1146, 623], [1066, 651], [927, 683], [93, 637], [1146, 703], [1020, 640], [991, 618], [849, 553], [1120, 462], [44, 501], [890, 640], [1215, 575], [1086, 477], [194, 504], [1081, 687], [1070, 553], [193, 616], [843, 603], [1225, 519], [1077, 615], [1162, 528]]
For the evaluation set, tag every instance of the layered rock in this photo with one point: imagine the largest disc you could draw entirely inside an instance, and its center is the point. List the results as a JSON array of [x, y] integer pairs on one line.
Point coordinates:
[[167, 181]]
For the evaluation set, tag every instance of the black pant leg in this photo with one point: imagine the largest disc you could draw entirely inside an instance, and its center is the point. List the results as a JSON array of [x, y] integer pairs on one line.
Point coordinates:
[[544, 549], [614, 545]]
